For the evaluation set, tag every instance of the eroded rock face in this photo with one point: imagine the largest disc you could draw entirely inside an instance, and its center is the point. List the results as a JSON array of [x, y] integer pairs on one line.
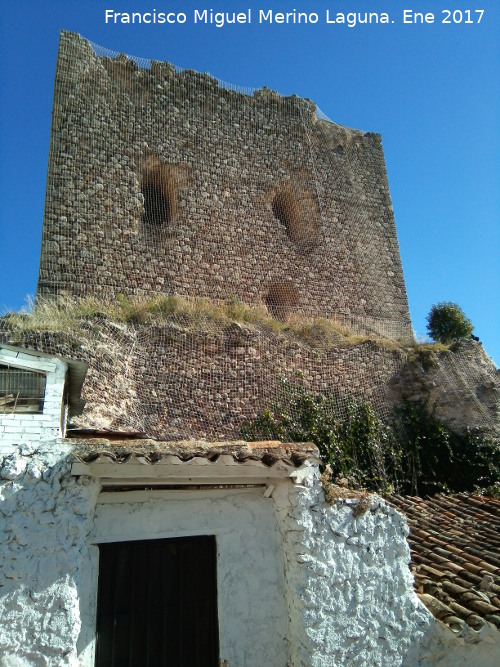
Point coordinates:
[[173, 380], [461, 385]]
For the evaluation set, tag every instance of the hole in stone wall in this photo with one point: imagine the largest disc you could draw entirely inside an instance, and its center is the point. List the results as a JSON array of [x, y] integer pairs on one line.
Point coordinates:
[[286, 209], [281, 299], [156, 206], [159, 185], [297, 210]]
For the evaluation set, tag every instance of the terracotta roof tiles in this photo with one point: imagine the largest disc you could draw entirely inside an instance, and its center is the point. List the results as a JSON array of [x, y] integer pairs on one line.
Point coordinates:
[[91, 450], [455, 556]]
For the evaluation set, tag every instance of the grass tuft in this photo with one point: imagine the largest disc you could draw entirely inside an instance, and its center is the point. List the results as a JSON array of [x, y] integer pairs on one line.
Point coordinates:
[[65, 313]]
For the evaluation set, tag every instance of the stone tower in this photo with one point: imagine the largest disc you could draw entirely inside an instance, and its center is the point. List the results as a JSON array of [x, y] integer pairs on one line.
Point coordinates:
[[169, 181]]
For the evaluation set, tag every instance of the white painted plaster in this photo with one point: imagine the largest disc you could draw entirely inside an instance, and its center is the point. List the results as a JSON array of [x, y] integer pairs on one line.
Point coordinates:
[[46, 515], [250, 581], [18, 428], [301, 583], [349, 590]]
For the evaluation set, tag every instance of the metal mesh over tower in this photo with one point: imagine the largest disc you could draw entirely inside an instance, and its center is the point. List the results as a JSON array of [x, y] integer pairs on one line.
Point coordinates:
[[165, 181], [239, 229]]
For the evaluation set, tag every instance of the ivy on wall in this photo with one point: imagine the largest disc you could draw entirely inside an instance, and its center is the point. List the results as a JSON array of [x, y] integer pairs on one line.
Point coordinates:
[[412, 453]]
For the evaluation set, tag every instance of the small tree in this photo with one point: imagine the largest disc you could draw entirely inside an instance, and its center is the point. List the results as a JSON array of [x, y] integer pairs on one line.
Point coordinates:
[[447, 323]]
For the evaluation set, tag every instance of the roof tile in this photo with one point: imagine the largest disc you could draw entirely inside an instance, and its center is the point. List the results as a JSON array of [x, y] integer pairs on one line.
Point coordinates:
[[455, 556]]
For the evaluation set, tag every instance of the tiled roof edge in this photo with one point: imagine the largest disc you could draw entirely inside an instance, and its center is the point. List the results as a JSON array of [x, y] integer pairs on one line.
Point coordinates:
[[95, 450], [455, 552]]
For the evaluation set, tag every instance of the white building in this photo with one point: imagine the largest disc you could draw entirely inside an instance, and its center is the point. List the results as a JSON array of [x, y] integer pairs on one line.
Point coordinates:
[[118, 551]]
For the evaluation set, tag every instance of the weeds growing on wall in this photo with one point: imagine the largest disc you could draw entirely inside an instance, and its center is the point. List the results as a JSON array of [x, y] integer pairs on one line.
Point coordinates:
[[413, 453], [68, 313]]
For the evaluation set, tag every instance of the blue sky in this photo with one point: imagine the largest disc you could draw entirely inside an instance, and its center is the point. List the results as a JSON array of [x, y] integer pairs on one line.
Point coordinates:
[[432, 91]]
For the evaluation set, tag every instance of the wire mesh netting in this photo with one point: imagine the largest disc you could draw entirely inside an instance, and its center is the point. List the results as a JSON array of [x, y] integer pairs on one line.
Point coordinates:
[[270, 225], [163, 180]]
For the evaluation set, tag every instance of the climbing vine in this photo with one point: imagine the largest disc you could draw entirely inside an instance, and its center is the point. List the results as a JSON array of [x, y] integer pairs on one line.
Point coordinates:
[[411, 453]]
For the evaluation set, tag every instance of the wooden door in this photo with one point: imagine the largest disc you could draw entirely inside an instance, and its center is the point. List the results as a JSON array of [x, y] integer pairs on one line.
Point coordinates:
[[157, 604]]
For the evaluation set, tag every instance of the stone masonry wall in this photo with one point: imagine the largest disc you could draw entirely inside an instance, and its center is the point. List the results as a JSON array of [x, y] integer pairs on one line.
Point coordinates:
[[176, 382], [164, 181]]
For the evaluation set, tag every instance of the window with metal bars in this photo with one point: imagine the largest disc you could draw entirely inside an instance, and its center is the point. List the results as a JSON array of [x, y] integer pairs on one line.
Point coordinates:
[[21, 390], [157, 604]]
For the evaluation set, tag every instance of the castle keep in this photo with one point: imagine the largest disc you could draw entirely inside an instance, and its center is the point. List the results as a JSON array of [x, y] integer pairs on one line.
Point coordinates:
[[135, 524], [169, 181]]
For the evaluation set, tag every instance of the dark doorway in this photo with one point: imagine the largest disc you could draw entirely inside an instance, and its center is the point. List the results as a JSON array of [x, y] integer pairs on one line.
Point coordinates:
[[157, 604]]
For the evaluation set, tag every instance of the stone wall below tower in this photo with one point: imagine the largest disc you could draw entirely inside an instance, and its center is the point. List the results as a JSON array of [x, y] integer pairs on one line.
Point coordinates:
[[186, 377]]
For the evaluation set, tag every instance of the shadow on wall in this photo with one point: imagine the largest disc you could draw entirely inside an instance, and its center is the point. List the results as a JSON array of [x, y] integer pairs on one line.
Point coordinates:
[[159, 185], [281, 299], [298, 211], [437, 645]]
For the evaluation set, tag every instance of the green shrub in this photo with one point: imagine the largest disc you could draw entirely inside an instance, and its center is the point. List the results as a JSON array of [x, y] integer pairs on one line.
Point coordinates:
[[412, 453], [435, 458], [447, 323], [355, 447]]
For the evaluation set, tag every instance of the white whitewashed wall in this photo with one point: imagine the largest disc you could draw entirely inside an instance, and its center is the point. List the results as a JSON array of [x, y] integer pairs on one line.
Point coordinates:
[[46, 517], [301, 584], [17, 428], [349, 589], [250, 577]]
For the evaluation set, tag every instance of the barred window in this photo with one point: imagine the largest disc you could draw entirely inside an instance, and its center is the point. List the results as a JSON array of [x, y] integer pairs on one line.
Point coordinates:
[[21, 390]]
